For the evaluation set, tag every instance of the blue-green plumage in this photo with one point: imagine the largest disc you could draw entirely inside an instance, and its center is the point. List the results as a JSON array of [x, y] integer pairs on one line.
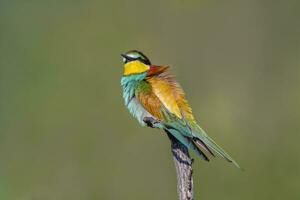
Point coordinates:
[[130, 85]]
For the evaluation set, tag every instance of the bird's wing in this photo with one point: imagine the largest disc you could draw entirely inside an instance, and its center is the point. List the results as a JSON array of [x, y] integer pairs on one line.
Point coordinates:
[[151, 103], [168, 94], [162, 105]]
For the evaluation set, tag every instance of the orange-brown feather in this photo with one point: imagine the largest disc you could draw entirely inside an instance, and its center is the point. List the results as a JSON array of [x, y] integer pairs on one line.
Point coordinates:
[[154, 70], [164, 92], [151, 103], [169, 92]]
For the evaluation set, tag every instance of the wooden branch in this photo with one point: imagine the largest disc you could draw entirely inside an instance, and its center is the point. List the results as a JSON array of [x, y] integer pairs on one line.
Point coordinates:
[[183, 164]]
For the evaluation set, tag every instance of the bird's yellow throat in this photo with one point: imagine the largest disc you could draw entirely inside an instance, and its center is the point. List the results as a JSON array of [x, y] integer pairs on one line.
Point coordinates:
[[135, 67]]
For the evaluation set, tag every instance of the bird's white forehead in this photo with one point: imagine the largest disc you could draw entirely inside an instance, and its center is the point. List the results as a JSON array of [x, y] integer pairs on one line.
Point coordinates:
[[133, 55]]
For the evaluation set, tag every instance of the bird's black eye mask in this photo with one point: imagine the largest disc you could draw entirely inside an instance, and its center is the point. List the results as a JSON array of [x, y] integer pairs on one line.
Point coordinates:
[[145, 61], [129, 59]]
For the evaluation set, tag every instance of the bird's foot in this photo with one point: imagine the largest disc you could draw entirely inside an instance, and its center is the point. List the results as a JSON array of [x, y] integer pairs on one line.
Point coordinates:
[[150, 122]]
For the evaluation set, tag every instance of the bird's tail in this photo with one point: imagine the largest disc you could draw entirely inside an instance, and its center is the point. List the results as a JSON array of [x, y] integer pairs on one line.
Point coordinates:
[[195, 137], [210, 144], [186, 141]]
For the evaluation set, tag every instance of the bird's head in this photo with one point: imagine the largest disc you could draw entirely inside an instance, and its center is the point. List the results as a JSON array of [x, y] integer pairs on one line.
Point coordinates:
[[135, 62]]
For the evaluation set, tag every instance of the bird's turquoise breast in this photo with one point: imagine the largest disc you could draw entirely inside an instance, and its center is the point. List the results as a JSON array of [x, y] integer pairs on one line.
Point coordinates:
[[130, 86]]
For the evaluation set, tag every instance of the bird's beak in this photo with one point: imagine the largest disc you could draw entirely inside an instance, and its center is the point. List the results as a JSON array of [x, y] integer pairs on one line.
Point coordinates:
[[124, 56]]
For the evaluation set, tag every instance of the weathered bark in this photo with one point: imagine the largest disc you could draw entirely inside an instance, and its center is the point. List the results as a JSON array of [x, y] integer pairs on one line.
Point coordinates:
[[183, 164]]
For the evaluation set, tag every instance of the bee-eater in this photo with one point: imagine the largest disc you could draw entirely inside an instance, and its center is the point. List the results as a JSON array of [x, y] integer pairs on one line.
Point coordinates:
[[155, 99]]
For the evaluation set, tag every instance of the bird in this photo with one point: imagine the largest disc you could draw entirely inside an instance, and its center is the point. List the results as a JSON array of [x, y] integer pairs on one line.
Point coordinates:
[[155, 99]]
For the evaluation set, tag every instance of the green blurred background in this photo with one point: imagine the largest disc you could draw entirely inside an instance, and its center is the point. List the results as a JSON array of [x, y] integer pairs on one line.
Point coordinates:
[[66, 134]]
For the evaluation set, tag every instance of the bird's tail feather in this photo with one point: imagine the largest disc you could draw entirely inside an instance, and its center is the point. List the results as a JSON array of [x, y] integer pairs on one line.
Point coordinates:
[[197, 136], [203, 146], [187, 142], [210, 143]]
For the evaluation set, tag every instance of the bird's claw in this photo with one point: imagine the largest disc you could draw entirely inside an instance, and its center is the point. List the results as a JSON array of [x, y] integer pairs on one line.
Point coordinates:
[[150, 122]]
